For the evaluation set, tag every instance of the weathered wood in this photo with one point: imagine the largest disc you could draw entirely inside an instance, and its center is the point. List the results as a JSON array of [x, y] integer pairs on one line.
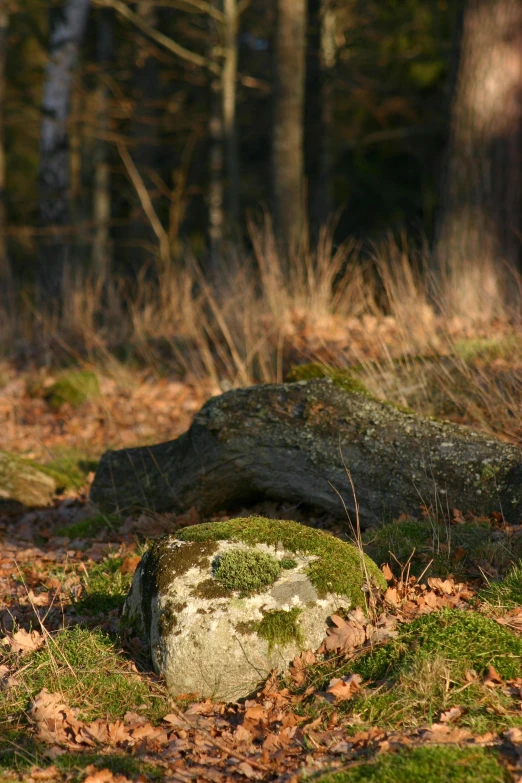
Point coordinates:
[[284, 441]]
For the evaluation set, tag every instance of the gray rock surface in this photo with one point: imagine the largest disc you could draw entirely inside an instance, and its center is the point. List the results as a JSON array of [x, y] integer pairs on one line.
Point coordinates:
[[216, 642]]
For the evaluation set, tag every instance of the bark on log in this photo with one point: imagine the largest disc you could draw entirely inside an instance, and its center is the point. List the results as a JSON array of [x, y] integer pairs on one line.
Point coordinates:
[[284, 441]]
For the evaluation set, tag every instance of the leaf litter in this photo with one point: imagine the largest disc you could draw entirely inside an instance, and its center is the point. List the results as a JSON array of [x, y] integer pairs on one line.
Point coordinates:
[[44, 586]]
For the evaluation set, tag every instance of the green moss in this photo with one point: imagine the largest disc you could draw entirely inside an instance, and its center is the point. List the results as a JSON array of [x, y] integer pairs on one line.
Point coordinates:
[[466, 640], [280, 627], [429, 540], [345, 379], [287, 563], [74, 388], [246, 570], [209, 589], [426, 765], [105, 587], [337, 568], [507, 593], [90, 527], [91, 674]]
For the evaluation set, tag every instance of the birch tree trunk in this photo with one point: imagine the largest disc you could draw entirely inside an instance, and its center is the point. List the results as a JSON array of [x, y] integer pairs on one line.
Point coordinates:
[[5, 274], [288, 116], [66, 30], [478, 232]]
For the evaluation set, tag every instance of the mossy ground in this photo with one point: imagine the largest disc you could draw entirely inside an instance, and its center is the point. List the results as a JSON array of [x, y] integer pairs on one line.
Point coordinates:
[[415, 677], [337, 569], [426, 765], [85, 667], [73, 387], [90, 527], [507, 593], [453, 549], [104, 587]]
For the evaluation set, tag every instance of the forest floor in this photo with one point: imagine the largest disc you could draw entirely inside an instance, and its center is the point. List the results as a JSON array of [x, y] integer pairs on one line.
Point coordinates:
[[440, 699]]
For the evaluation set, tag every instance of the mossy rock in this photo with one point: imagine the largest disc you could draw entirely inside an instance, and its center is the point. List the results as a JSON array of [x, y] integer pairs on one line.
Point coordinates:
[[425, 765], [345, 379], [27, 482], [224, 603], [74, 388]]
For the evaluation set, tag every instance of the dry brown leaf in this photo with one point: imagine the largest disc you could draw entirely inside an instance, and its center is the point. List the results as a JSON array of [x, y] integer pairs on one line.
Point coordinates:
[[55, 721], [23, 641], [256, 714], [130, 564], [392, 596], [103, 776], [387, 572], [299, 665], [492, 678], [49, 773], [345, 635], [343, 688], [450, 715]]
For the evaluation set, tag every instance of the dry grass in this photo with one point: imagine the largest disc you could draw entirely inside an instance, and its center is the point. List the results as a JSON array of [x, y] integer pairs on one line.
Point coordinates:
[[269, 311]]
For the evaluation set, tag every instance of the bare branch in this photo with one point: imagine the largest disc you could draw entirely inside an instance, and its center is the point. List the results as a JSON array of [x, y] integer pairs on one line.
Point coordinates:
[[163, 40]]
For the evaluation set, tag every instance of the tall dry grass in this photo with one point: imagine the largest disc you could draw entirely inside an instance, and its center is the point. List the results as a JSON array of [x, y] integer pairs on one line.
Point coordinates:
[[384, 313]]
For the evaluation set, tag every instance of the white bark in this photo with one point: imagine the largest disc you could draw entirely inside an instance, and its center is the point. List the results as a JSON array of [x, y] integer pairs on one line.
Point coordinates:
[[67, 27]]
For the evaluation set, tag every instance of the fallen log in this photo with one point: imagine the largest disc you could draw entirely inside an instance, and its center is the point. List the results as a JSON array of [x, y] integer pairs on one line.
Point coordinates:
[[291, 442]]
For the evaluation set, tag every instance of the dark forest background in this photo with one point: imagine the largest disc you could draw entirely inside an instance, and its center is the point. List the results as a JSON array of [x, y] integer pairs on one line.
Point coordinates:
[[152, 142]]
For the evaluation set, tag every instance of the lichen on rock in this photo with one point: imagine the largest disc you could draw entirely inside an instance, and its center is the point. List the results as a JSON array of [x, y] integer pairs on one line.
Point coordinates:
[[224, 603]]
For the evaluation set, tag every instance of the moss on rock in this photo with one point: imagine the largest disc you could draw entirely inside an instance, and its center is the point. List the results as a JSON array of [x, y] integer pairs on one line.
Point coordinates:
[[246, 570], [337, 567], [280, 627], [345, 379]]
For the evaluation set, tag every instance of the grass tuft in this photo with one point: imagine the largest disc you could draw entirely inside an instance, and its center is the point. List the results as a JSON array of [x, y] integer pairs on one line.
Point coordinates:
[[426, 765]]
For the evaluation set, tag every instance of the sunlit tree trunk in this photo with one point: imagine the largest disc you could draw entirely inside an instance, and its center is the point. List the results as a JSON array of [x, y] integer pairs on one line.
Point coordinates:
[[478, 236], [102, 179], [4, 260], [287, 132], [66, 30], [229, 81]]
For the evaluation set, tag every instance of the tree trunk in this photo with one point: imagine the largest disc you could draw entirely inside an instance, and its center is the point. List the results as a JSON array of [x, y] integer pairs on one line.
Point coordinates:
[[5, 273], [287, 129], [321, 61], [291, 442], [102, 178], [229, 80], [478, 233], [145, 130], [216, 192], [66, 30]]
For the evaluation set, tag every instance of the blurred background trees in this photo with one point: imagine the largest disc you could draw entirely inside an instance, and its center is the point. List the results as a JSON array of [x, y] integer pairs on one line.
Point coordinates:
[[136, 133]]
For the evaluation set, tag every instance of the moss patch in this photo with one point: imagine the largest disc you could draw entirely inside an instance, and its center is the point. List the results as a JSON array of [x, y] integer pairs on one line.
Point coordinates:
[[345, 379], [427, 765], [90, 527], [209, 589], [86, 668], [507, 593], [466, 640], [246, 570], [337, 568], [280, 627], [287, 563], [105, 587], [74, 388], [428, 539]]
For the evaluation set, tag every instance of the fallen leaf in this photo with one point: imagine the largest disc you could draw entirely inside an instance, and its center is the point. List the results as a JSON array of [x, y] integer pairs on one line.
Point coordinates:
[[344, 688], [23, 641], [387, 572], [130, 564], [345, 635], [450, 715]]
